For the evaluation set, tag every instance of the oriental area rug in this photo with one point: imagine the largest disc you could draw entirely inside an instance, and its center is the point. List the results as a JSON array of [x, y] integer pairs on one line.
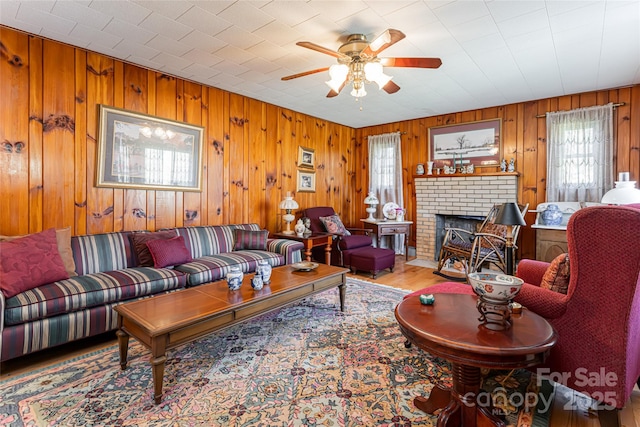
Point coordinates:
[[307, 364]]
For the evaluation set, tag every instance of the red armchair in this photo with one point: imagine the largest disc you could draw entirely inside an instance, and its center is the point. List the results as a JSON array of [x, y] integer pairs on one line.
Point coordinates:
[[598, 320], [343, 246]]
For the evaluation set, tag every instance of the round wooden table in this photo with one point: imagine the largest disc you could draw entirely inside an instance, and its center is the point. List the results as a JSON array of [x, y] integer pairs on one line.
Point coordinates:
[[450, 329]]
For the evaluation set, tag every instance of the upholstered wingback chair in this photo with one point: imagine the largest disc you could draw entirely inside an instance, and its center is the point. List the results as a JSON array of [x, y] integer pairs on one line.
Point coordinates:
[[342, 246], [598, 320]]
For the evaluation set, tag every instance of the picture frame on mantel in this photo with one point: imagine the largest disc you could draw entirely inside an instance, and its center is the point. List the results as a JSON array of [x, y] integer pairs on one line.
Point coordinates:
[[478, 143], [139, 151]]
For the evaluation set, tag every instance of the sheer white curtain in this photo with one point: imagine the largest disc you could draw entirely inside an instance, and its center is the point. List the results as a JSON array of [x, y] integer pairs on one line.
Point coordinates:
[[385, 175], [579, 154]]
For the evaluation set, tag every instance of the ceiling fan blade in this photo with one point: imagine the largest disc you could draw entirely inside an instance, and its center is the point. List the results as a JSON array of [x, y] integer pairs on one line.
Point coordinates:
[[332, 93], [306, 73], [383, 41], [411, 62], [391, 87], [324, 50]]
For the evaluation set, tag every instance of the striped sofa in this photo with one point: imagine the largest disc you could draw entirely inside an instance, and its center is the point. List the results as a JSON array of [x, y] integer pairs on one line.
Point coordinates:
[[81, 306]]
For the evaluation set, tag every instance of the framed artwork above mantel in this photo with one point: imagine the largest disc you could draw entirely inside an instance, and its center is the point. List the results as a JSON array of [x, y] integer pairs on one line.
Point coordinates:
[[478, 143]]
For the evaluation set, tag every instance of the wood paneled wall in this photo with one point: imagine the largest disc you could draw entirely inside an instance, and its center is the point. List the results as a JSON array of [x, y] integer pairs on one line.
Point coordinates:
[[49, 100], [523, 138]]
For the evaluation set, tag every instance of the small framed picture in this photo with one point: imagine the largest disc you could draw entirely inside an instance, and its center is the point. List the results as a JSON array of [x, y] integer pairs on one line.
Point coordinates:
[[306, 181], [306, 158]]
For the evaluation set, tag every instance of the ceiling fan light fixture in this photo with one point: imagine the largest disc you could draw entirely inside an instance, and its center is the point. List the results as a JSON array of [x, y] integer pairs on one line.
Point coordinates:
[[358, 93], [338, 73]]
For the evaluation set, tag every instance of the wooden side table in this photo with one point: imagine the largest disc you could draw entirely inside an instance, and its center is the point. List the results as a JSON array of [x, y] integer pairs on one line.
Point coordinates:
[[450, 329], [390, 228], [311, 241]]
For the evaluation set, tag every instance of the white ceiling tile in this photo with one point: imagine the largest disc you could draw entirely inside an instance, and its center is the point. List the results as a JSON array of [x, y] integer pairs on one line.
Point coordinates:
[[160, 24], [176, 62], [384, 8], [170, 9], [260, 65], [457, 13], [28, 13], [168, 45], [506, 10], [204, 58], [144, 62], [138, 50], [120, 9], [78, 12], [199, 70], [229, 67], [133, 33], [246, 16], [591, 16], [557, 7], [540, 39], [412, 18], [524, 24], [238, 37], [65, 38], [338, 10], [204, 21], [203, 41], [471, 30], [9, 9], [268, 50], [290, 13], [279, 33], [42, 5], [483, 44], [89, 33]]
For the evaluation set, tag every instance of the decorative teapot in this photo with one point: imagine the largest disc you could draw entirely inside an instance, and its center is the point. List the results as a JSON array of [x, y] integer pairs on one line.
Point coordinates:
[[400, 214]]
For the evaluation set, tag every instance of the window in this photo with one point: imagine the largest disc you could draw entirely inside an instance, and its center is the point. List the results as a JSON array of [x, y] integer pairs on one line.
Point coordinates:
[[579, 154]]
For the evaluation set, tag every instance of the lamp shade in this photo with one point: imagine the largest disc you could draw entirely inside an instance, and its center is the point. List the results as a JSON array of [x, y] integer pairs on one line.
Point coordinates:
[[288, 203], [509, 214], [371, 199], [624, 193]]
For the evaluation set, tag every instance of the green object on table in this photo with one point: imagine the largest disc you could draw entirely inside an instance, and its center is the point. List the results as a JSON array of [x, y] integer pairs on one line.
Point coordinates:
[[427, 299]]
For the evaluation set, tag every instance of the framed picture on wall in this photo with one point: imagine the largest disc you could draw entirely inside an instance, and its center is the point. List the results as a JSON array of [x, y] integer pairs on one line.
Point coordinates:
[[145, 152], [306, 181], [306, 158], [475, 142]]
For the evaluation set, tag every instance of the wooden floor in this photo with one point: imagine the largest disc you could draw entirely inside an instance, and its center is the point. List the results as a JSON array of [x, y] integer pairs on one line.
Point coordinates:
[[405, 277]]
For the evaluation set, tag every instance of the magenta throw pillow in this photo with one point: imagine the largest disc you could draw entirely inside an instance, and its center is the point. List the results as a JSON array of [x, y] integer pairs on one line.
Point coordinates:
[[169, 252], [29, 262], [139, 243], [250, 240], [334, 225]]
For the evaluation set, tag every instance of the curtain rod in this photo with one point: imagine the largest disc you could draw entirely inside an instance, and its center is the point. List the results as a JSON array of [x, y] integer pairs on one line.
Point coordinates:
[[619, 104]]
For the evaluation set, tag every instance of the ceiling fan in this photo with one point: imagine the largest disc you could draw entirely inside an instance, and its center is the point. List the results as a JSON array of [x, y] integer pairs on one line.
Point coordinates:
[[358, 63]]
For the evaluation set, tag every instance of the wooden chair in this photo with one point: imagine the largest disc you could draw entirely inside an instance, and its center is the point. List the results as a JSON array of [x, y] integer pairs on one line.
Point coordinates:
[[485, 246]]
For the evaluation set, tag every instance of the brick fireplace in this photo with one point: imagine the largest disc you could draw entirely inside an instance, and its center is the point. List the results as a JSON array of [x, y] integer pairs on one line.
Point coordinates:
[[460, 195]]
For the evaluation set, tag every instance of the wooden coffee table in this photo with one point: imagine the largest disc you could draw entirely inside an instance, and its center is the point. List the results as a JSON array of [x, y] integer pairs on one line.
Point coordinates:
[[450, 329], [166, 321]]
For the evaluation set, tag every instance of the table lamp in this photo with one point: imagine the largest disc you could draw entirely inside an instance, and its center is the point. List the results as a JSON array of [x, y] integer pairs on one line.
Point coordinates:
[[624, 193], [288, 204], [509, 214], [372, 201]]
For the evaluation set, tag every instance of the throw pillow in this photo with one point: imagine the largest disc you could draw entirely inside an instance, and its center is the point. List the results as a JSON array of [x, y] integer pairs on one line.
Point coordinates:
[[63, 238], [334, 225], [29, 262], [250, 240], [498, 230], [169, 252], [139, 242], [556, 278]]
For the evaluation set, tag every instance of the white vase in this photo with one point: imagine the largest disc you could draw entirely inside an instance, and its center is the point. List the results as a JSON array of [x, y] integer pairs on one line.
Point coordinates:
[[299, 228], [429, 168], [234, 278]]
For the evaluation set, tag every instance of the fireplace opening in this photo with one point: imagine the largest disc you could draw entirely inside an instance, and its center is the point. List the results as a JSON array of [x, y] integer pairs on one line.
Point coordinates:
[[466, 222]]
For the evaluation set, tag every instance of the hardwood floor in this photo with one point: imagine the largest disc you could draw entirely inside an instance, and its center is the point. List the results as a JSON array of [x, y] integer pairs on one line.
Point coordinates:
[[404, 276]]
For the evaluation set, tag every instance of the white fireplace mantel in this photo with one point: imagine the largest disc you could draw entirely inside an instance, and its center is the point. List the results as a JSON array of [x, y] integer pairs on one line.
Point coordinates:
[[459, 194]]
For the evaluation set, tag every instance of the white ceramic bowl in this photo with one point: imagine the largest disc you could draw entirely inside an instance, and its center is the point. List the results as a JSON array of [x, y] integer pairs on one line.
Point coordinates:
[[495, 286]]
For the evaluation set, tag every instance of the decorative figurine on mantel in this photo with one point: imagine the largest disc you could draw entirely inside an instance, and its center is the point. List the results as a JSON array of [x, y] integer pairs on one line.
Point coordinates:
[[512, 165], [503, 165], [307, 225]]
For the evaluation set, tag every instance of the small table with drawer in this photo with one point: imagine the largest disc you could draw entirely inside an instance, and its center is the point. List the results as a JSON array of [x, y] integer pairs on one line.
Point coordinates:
[[382, 227]]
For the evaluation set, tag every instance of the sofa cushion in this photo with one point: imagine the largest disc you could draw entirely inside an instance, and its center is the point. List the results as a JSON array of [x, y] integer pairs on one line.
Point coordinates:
[[102, 252], [211, 268], [139, 243], [167, 253], [334, 225], [30, 261], [250, 239], [211, 239], [80, 292], [63, 238], [556, 278]]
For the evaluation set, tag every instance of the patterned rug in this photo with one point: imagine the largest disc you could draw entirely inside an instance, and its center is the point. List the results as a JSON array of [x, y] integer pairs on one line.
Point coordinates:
[[307, 364]]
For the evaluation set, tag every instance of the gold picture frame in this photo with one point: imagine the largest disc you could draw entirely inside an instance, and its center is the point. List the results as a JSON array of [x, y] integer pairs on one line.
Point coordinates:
[[306, 181], [306, 158], [477, 142], [145, 152]]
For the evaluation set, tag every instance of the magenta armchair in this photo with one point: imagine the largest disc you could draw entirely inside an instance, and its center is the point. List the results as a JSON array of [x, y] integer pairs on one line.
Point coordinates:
[[598, 321]]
